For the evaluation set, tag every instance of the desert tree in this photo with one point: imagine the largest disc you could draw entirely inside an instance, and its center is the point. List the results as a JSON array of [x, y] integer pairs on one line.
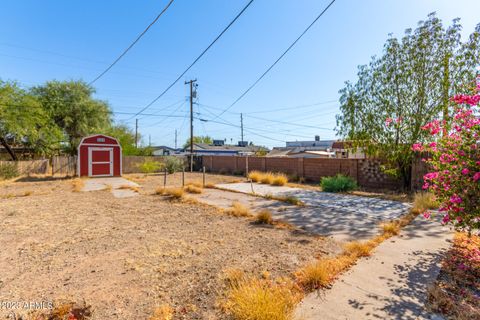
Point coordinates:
[[406, 86]]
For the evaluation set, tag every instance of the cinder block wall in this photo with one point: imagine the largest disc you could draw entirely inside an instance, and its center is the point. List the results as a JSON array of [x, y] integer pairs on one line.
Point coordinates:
[[367, 172]]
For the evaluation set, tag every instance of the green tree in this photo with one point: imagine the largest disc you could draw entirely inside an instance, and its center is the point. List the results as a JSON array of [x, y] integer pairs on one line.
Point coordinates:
[[72, 108], [408, 85], [198, 139], [23, 122]]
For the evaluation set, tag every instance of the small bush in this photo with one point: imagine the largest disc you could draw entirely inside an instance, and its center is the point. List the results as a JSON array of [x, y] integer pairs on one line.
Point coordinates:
[[190, 188], [255, 176], [260, 299], [8, 170], [264, 217], [174, 164], [339, 183], [279, 180], [424, 201], [238, 210], [150, 166]]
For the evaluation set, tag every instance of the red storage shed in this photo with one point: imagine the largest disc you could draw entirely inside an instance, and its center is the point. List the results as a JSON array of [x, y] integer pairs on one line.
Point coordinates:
[[99, 156]]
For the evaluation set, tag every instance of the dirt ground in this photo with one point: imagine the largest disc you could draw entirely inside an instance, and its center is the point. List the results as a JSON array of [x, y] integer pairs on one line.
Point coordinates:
[[126, 256]]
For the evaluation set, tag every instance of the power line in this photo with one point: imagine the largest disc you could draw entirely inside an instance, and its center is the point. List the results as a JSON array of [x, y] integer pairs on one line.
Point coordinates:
[[281, 122], [198, 58], [276, 61], [277, 109], [132, 44]]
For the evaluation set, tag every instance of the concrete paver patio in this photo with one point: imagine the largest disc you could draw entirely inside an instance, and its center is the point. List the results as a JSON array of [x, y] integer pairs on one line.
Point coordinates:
[[116, 183], [345, 217]]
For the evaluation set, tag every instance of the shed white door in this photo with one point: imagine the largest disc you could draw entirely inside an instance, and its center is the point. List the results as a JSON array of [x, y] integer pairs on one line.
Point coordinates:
[[100, 162]]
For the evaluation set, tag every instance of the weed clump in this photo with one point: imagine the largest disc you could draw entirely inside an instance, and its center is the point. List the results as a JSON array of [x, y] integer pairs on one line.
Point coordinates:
[[279, 180], [173, 193], [262, 299], [264, 217], [163, 312], [424, 201], [238, 210], [192, 188]]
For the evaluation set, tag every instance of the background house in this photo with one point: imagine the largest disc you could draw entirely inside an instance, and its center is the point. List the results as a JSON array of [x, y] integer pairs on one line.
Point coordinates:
[[316, 149], [218, 147]]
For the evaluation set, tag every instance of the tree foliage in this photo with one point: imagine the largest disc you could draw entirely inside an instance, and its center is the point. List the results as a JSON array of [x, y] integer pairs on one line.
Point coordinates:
[[198, 139], [23, 122], [409, 84], [73, 109]]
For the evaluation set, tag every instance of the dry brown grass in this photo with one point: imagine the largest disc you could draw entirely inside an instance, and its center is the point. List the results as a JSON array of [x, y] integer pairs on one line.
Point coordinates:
[[172, 193], [238, 210], [391, 228], [130, 187], [255, 176], [358, 249], [262, 299], [191, 188], [78, 184], [322, 272], [279, 179], [267, 178], [163, 312], [264, 217], [423, 201]]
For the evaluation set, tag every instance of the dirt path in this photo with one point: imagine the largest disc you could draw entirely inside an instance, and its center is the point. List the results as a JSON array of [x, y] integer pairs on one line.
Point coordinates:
[[126, 256], [392, 284]]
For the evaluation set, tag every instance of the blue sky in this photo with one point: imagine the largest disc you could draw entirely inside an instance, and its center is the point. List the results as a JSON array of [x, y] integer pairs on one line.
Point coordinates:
[[63, 40]]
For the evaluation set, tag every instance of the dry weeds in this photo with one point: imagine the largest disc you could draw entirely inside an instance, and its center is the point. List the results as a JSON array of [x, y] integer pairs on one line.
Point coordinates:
[[238, 210], [264, 217]]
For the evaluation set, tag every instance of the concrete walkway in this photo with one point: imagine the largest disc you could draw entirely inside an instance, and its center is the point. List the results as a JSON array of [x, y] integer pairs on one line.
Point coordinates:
[[119, 186], [392, 284], [344, 217]]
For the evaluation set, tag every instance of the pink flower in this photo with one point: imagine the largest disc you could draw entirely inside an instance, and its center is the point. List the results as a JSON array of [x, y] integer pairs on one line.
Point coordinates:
[[430, 176], [446, 218], [465, 171], [399, 119], [476, 176], [427, 214], [417, 147], [455, 199], [388, 121]]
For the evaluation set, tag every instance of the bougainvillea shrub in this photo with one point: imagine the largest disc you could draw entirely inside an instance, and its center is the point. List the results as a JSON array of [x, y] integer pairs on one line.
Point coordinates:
[[454, 159]]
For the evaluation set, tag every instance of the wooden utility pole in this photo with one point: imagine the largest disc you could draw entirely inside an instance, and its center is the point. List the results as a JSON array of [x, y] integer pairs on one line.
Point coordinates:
[[175, 139], [241, 125], [136, 133], [191, 82]]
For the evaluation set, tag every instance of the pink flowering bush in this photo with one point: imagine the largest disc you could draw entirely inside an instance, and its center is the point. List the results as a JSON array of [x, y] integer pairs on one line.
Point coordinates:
[[454, 157]]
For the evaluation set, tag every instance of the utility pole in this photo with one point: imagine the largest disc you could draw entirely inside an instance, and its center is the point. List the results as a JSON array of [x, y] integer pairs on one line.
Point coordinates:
[[149, 140], [241, 125], [136, 133], [192, 92], [175, 139]]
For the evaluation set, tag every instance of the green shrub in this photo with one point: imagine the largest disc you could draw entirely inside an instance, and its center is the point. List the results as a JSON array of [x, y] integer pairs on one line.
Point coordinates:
[[8, 170], [174, 164], [339, 183], [150, 166]]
